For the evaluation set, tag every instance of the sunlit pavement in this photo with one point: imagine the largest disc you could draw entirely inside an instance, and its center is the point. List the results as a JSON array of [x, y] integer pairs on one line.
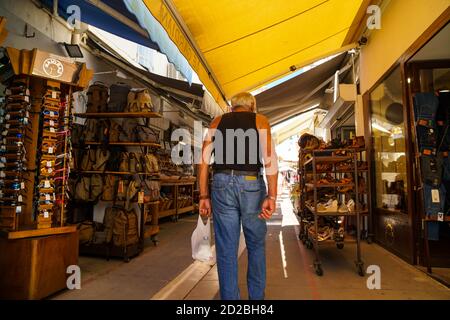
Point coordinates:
[[290, 272], [168, 271]]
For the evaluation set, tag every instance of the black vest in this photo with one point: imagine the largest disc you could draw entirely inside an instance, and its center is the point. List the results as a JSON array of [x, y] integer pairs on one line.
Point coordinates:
[[239, 147]]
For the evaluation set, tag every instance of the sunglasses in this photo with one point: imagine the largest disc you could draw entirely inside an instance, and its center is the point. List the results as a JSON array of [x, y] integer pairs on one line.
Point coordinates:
[[48, 134], [50, 88], [23, 90], [18, 98], [51, 113], [19, 121], [45, 207], [51, 105]]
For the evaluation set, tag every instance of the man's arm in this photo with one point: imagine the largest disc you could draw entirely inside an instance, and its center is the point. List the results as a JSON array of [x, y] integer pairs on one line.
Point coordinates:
[[270, 160], [203, 169]]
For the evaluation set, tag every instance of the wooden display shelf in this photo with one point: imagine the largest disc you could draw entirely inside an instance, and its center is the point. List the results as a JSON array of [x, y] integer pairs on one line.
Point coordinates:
[[165, 182], [151, 202], [328, 159], [186, 209], [329, 185], [347, 149], [336, 171], [37, 232], [150, 230], [167, 213], [446, 219], [101, 115], [119, 173], [130, 144], [334, 213]]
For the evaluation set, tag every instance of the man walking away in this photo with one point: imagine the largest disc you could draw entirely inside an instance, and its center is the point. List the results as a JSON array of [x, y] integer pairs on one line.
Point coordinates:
[[242, 146]]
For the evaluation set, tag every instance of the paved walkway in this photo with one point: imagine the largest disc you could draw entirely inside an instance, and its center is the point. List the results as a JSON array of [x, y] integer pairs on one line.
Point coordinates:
[[144, 275], [291, 276], [168, 272]]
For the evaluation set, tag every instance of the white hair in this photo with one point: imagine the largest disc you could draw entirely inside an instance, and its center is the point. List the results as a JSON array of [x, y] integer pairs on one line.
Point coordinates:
[[245, 100]]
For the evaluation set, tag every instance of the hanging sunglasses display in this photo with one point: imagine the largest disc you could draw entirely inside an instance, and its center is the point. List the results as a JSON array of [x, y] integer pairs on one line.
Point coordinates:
[[14, 121], [53, 144]]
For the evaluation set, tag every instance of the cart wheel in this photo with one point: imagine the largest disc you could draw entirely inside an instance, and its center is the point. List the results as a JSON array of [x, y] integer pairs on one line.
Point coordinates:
[[361, 270], [318, 269], [173, 218], [126, 259], [154, 240], [304, 240], [369, 240], [309, 244], [340, 245]]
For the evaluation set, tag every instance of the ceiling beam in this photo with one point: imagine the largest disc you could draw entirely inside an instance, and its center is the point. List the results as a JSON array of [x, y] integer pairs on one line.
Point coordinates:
[[118, 16]]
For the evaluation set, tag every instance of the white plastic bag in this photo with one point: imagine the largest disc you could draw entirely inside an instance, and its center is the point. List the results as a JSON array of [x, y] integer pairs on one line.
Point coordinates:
[[201, 241]]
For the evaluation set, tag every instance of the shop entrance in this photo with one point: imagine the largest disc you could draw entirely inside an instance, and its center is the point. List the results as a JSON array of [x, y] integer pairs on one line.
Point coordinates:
[[392, 212], [428, 78]]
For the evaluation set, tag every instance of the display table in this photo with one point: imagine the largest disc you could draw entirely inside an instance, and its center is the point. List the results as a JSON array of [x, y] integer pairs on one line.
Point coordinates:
[[34, 267]]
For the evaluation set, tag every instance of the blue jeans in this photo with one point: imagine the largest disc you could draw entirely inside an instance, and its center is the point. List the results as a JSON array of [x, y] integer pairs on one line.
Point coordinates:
[[432, 167], [425, 107], [427, 137], [236, 200], [433, 208]]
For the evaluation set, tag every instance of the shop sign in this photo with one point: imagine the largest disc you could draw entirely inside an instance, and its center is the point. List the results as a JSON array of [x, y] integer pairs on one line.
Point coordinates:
[[48, 65]]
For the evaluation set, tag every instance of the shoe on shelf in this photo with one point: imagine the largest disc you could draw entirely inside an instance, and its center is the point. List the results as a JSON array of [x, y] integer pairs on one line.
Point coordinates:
[[343, 208], [351, 205], [330, 206], [358, 143], [363, 165]]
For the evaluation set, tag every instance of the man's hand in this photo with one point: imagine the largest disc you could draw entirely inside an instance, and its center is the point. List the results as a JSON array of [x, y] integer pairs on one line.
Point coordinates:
[[205, 207], [268, 208]]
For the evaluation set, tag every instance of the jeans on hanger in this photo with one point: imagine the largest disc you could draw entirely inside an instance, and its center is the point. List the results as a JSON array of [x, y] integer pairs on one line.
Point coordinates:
[[426, 106], [431, 167], [426, 137], [433, 208], [446, 168]]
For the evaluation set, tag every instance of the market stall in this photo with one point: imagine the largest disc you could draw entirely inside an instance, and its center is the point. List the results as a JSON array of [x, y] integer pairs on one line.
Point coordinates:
[[35, 163]]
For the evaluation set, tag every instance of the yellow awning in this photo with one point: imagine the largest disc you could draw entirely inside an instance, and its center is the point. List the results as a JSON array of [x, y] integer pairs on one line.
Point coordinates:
[[240, 45]]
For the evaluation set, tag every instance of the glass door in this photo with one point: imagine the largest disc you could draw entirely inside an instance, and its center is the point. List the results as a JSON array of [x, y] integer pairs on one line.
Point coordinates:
[[390, 165]]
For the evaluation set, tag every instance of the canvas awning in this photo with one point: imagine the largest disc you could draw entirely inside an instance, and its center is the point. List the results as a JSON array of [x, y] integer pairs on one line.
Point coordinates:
[[301, 93], [111, 16], [241, 45]]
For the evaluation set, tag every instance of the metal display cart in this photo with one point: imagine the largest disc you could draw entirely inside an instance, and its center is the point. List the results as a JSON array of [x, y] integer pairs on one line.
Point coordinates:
[[311, 164]]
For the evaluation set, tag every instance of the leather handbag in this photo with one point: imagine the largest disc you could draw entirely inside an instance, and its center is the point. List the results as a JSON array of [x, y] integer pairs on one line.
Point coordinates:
[[98, 94], [114, 131], [139, 101], [101, 158], [150, 163], [125, 229], [124, 165], [146, 134], [109, 187], [118, 97], [133, 161], [88, 160]]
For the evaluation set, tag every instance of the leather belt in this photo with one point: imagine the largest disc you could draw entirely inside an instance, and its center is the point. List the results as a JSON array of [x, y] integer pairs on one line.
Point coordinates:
[[239, 172]]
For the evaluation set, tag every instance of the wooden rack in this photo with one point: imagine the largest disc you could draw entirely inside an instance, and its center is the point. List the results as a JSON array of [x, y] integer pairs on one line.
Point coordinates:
[[145, 230], [309, 213], [175, 209], [105, 115]]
